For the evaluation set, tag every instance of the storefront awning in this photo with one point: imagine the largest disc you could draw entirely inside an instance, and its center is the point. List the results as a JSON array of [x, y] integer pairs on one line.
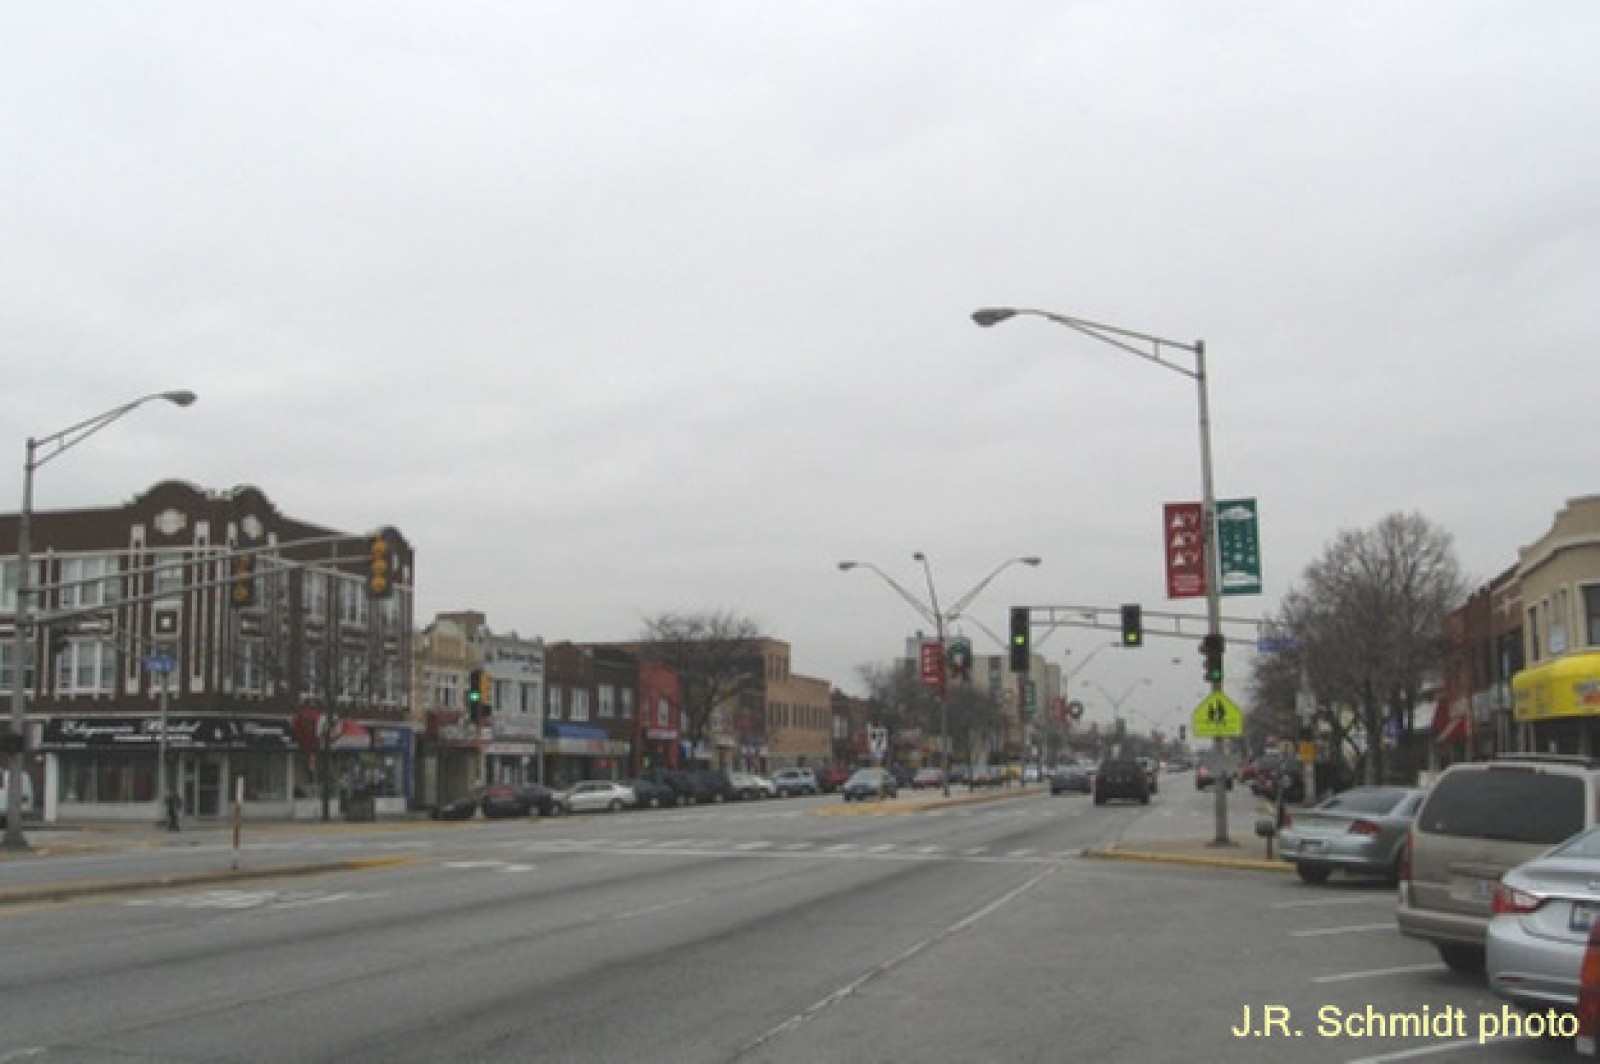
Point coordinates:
[[557, 730], [1568, 686], [583, 740]]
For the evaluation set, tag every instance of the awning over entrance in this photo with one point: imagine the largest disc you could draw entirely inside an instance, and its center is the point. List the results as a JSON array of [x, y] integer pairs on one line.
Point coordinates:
[[1568, 686]]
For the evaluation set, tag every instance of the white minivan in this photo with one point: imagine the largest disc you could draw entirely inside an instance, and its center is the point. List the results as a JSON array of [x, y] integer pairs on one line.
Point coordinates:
[[5, 792]]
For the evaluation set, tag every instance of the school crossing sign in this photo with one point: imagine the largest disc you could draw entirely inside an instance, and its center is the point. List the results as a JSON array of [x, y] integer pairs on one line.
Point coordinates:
[[1218, 717]]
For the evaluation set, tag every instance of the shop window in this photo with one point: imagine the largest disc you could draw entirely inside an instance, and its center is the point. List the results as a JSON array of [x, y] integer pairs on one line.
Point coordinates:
[[1591, 615]]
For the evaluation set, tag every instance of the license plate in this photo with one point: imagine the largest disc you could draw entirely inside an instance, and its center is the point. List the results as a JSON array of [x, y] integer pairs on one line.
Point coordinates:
[[1472, 888], [1583, 917], [1310, 846]]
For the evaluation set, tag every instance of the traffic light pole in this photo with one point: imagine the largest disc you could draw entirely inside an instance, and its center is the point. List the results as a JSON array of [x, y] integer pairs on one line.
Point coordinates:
[[1152, 349]]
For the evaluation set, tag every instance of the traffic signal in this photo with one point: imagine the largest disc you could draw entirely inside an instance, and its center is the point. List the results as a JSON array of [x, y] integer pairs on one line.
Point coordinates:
[[381, 564], [242, 588], [1020, 651], [1212, 647], [1132, 625], [475, 694]]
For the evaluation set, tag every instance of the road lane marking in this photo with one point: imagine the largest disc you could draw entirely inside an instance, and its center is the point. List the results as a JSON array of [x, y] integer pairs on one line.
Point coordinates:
[[1317, 932], [894, 962], [1379, 973]]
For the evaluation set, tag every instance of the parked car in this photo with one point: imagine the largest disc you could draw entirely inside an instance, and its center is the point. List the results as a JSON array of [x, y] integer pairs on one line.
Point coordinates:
[[927, 779], [1271, 775], [984, 776], [714, 785], [1203, 777], [1071, 779], [594, 796], [747, 786], [1361, 831], [463, 808], [870, 783], [1479, 820], [832, 778], [792, 781], [683, 785], [1122, 780], [1543, 913], [652, 794], [960, 774], [509, 800]]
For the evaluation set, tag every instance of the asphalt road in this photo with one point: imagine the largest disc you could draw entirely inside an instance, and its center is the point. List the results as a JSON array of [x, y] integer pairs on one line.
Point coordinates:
[[772, 932]]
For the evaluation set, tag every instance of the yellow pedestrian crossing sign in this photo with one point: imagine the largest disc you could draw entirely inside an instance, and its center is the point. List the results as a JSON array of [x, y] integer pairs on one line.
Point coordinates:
[[1218, 717]]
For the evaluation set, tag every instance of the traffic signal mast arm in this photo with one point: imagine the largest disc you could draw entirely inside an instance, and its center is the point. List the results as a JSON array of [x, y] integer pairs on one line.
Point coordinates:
[[1153, 622]]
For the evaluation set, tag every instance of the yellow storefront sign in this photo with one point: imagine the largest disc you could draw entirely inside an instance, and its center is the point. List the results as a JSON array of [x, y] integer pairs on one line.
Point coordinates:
[[1569, 686]]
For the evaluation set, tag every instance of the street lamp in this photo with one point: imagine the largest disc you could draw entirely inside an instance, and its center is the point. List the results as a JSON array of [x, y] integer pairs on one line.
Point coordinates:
[[40, 451], [1151, 349], [939, 619]]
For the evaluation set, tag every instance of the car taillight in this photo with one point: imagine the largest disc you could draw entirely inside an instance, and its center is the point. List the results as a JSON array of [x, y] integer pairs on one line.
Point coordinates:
[[1511, 900], [1364, 827]]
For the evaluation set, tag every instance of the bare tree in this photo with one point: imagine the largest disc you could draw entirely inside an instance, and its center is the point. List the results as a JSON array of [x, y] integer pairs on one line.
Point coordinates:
[[1368, 625], [716, 656]]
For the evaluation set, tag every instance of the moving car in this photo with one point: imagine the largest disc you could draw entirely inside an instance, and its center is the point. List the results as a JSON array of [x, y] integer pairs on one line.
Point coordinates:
[[1480, 820], [870, 783], [510, 799], [1361, 831], [593, 796], [926, 779], [791, 781], [1121, 780], [1543, 913], [1071, 779]]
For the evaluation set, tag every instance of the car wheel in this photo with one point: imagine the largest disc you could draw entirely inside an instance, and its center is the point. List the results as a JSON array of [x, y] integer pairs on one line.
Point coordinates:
[[1313, 874], [1144, 799], [1467, 960], [1099, 799]]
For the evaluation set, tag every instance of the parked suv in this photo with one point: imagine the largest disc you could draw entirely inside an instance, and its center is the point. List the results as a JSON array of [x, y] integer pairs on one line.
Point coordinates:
[[792, 781], [1479, 820]]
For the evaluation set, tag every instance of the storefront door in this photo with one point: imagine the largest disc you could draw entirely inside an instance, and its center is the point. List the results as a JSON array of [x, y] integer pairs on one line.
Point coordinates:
[[212, 769]]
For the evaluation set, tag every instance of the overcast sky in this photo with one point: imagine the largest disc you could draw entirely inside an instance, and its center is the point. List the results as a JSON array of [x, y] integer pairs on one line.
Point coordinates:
[[621, 308]]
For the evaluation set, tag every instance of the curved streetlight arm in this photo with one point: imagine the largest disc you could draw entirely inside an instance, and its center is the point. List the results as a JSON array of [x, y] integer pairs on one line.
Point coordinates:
[[1110, 334], [966, 600], [1116, 703], [931, 616], [1072, 673], [73, 435]]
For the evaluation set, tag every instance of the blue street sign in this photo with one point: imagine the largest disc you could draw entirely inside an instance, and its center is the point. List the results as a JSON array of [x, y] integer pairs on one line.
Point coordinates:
[[159, 663]]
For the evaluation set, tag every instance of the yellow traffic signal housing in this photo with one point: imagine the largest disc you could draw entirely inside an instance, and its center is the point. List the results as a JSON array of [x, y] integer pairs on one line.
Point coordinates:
[[381, 564], [242, 587]]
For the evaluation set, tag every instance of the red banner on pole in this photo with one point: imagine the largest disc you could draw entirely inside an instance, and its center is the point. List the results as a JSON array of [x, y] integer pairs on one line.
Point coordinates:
[[1183, 535], [933, 664]]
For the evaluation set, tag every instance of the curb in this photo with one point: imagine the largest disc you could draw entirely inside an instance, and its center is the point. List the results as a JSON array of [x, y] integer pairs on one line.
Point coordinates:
[[1115, 852], [94, 888]]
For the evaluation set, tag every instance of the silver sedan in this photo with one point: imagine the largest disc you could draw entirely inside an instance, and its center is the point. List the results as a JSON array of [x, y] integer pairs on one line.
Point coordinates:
[[593, 796], [1362, 830], [1544, 912]]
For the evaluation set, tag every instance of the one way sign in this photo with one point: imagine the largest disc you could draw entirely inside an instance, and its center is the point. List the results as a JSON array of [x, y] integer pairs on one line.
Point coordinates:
[[1218, 717]]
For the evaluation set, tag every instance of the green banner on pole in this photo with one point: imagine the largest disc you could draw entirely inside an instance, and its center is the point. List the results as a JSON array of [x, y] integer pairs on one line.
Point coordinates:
[[1239, 547]]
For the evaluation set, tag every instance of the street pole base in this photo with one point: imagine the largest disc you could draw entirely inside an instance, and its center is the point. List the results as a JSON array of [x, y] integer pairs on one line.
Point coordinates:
[[17, 843]]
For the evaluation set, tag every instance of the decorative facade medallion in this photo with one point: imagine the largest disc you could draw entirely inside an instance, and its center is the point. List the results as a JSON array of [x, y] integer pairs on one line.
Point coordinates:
[[170, 522]]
